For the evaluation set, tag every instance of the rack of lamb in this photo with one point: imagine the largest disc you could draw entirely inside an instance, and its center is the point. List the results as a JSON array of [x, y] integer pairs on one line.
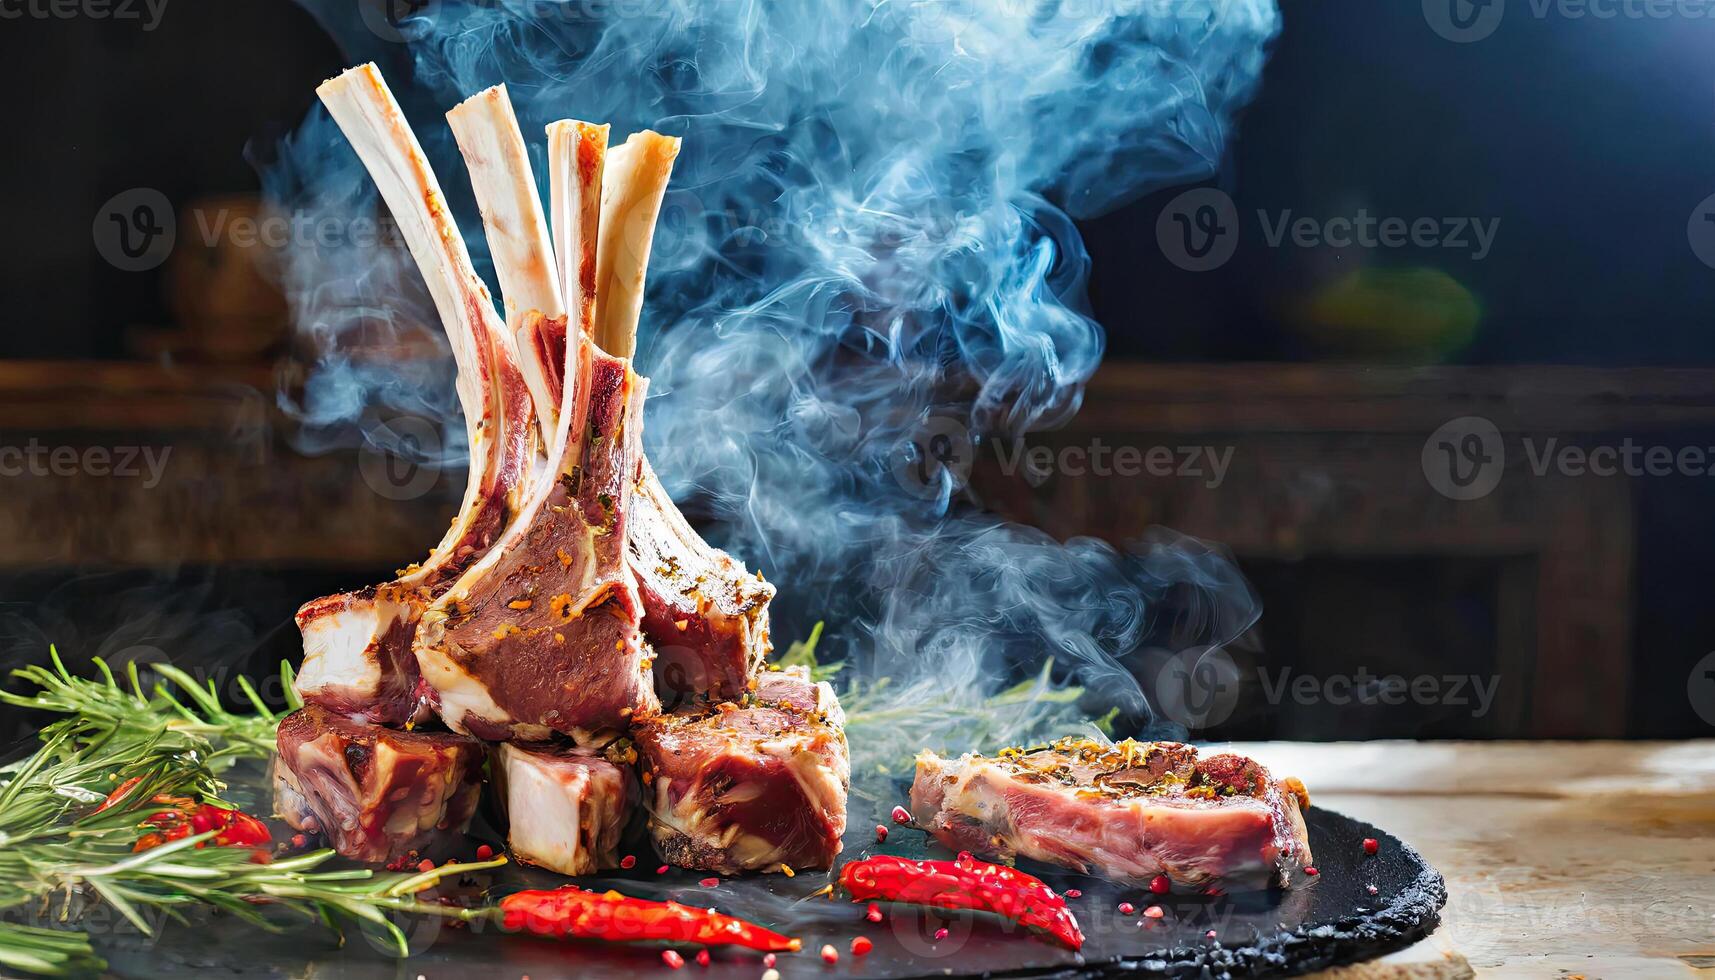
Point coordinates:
[[570, 606]]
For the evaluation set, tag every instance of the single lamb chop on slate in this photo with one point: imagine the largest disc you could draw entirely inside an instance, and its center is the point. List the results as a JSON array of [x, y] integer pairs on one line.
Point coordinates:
[[541, 635], [1129, 811], [377, 793], [760, 787], [565, 808], [357, 645]]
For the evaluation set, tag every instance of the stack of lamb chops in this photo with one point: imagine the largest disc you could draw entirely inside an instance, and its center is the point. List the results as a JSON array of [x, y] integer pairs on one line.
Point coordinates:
[[571, 628]]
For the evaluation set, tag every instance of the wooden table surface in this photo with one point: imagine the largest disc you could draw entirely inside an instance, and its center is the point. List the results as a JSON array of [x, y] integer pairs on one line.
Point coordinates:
[[1562, 859]]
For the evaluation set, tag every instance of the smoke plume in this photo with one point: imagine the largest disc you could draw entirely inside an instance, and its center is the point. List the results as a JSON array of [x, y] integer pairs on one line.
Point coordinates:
[[869, 238]]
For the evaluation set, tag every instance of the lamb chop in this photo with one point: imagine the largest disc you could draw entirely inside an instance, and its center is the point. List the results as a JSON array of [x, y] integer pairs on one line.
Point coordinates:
[[565, 808], [704, 614], [377, 793], [760, 787], [357, 645], [1129, 811], [541, 635], [603, 211]]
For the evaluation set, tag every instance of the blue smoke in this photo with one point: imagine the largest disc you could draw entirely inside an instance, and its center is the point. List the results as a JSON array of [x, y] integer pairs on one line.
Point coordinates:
[[869, 238]]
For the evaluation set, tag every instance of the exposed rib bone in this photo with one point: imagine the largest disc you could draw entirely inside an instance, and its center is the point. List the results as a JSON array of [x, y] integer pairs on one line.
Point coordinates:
[[357, 645], [636, 182], [577, 155], [500, 174]]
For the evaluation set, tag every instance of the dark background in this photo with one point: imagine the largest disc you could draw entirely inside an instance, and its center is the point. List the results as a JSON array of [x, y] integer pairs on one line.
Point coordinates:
[[1592, 142]]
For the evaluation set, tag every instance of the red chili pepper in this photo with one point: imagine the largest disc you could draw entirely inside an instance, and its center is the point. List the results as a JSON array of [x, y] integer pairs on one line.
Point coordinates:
[[232, 828], [964, 884], [576, 913], [243, 830], [118, 793]]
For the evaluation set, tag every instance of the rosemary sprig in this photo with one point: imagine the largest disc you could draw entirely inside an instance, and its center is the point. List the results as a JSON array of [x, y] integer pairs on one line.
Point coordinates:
[[802, 653], [70, 818], [176, 702], [891, 722]]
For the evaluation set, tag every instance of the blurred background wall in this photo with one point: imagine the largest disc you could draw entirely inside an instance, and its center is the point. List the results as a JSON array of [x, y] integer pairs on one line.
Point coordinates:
[[1537, 258]]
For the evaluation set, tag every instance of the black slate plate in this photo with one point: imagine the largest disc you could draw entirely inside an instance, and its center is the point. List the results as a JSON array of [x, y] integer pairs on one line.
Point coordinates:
[[1322, 921]]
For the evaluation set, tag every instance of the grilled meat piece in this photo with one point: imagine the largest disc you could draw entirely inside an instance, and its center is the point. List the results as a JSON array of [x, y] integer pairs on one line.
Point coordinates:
[[566, 808], [377, 793], [1129, 811], [541, 635], [749, 788], [357, 645], [706, 617]]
